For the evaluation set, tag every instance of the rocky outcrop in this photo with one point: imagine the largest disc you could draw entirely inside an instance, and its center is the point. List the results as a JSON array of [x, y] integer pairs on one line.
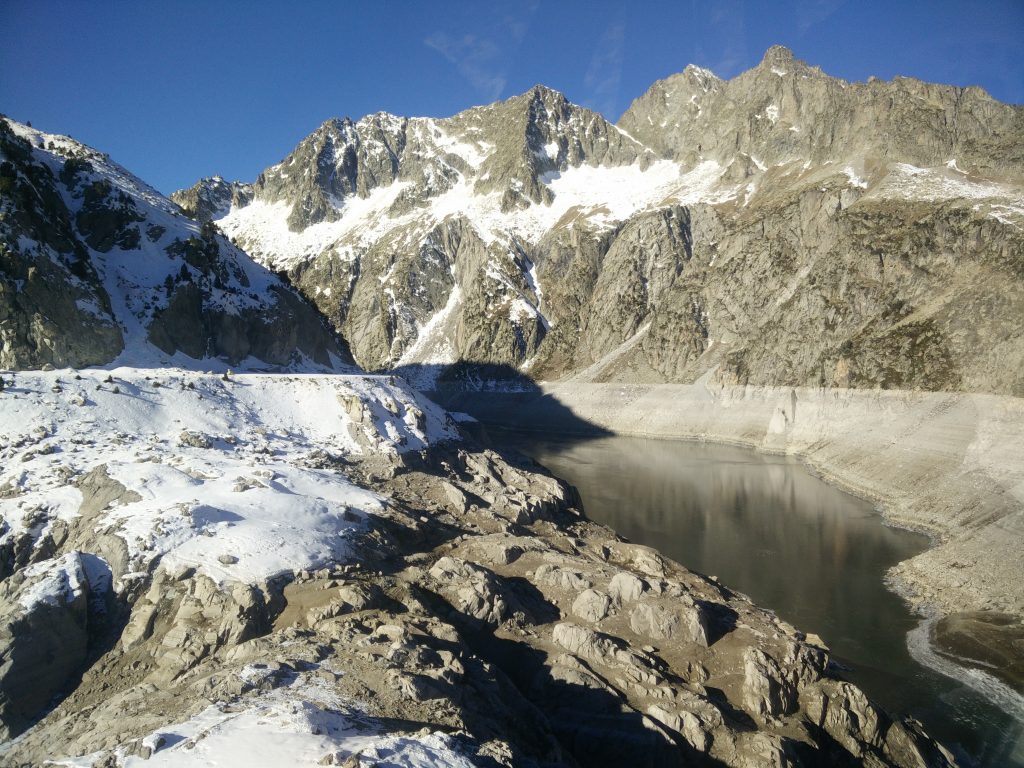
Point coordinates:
[[537, 133], [50, 612], [463, 591], [74, 230], [53, 306], [211, 198]]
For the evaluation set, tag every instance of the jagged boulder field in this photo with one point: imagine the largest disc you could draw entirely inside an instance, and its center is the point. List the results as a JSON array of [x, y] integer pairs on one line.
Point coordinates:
[[95, 266], [348, 580], [780, 228]]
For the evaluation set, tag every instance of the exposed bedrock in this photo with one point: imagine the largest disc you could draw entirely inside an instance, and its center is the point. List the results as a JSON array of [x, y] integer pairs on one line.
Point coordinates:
[[481, 603]]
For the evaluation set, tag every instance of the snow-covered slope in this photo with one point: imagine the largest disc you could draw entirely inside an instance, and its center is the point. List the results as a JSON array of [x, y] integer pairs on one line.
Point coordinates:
[[96, 266], [235, 477], [299, 724], [111, 481]]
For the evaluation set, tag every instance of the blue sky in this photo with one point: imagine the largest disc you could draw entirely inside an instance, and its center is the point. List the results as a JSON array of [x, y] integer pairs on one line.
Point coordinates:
[[179, 90]]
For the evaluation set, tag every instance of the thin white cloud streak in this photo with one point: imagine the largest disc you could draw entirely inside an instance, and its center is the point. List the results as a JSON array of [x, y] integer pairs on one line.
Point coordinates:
[[812, 12], [604, 75], [476, 59], [482, 57]]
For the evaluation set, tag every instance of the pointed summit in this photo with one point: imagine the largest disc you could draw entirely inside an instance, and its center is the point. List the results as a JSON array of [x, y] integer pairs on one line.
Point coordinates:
[[705, 78], [542, 91], [778, 57], [538, 94]]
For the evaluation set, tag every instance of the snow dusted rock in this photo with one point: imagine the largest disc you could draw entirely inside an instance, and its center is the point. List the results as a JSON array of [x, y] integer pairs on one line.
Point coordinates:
[[97, 266], [783, 109], [45, 615], [305, 565], [212, 198], [194, 439]]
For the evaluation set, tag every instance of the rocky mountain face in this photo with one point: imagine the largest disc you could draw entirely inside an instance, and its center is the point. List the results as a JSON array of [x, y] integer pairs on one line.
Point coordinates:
[[95, 266], [412, 235], [212, 198], [784, 227], [784, 111]]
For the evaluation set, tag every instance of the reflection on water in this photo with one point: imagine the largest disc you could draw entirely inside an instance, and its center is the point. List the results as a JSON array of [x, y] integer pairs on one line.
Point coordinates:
[[768, 528]]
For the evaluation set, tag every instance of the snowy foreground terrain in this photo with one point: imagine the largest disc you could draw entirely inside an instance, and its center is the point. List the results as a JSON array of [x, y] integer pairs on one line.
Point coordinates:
[[278, 569], [223, 470], [297, 724], [218, 462]]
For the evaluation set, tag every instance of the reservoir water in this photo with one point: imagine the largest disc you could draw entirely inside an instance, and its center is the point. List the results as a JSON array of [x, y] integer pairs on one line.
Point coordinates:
[[770, 529]]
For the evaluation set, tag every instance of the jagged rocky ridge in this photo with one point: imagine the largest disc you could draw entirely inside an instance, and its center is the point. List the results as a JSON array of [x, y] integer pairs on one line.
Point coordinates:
[[783, 227], [95, 266]]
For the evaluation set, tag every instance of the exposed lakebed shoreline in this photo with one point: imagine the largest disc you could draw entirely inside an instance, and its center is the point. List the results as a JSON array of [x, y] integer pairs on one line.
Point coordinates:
[[947, 465], [950, 465]]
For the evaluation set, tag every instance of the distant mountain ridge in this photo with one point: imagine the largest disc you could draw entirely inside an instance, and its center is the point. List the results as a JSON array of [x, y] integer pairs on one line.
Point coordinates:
[[784, 110], [783, 227]]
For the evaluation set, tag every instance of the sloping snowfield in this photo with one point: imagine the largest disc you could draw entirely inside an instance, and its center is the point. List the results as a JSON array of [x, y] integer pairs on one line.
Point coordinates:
[[297, 724], [223, 477], [220, 465]]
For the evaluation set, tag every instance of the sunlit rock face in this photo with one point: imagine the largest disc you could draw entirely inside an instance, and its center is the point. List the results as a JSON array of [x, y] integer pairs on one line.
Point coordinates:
[[782, 227]]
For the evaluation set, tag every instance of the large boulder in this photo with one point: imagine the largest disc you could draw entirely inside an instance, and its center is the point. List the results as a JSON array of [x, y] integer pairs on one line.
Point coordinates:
[[45, 614]]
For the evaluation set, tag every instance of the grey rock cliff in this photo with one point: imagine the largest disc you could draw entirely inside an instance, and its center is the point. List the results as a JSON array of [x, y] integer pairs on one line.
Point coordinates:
[[95, 265], [810, 285], [211, 198]]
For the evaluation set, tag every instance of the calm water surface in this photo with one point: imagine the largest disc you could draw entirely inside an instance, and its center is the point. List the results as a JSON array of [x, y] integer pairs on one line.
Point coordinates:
[[770, 529]]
